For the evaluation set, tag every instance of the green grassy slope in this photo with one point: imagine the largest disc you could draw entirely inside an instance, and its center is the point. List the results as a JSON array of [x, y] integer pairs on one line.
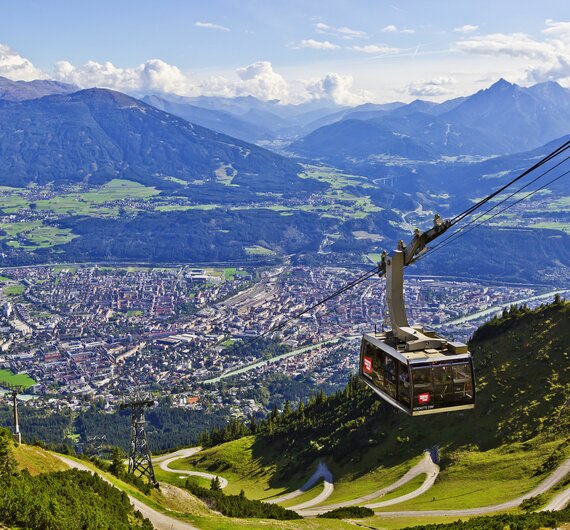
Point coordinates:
[[515, 437]]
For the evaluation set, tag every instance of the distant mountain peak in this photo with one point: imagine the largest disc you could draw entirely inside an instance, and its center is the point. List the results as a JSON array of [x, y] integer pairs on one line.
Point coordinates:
[[502, 83], [25, 90], [106, 95]]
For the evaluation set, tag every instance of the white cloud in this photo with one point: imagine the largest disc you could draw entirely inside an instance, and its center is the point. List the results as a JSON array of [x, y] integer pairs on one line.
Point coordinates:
[[438, 86], [211, 25], [152, 76], [375, 48], [467, 28], [317, 44], [260, 80], [514, 45], [548, 59], [558, 29], [17, 68], [394, 29], [336, 88], [340, 32], [389, 29]]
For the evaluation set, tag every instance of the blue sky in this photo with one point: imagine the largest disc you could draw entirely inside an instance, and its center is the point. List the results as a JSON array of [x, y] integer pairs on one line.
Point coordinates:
[[348, 51]]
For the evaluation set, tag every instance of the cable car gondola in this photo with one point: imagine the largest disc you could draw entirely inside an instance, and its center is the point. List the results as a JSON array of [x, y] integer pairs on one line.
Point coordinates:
[[413, 369]]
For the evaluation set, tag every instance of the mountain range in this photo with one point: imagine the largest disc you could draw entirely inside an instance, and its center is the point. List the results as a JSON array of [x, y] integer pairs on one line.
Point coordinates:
[[22, 90], [96, 135], [502, 119], [223, 198]]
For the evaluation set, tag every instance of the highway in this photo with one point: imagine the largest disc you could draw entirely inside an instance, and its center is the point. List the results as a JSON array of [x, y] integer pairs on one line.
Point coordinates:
[[495, 309], [275, 359]]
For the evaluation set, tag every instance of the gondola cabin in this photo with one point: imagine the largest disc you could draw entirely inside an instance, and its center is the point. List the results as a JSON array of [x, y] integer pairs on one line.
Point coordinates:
[[415, 370], [418, 382]]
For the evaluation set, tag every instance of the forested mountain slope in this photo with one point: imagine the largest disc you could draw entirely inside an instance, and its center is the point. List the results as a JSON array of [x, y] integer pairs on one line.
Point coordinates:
[[523, 388]]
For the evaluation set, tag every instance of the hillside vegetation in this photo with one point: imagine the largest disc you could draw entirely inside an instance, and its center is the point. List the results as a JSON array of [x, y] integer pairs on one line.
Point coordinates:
[[71, 499], [516, 435]]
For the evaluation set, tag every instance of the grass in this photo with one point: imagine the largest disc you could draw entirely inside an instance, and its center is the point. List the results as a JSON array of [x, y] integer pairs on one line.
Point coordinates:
[[367, 476], [13, 290], [10, 378], [307, 496], [61, 268], [408, 487], [238, 462], [231, 272], [177, 479], [37, 460], [134, 313], [257, 250], [563, 227], [361, 234], [225, 174], [31, 235], [484, 478], [91, 203]]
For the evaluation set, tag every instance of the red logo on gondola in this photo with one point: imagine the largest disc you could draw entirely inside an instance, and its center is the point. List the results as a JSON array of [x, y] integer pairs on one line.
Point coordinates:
[[367, 365], [424, 398]]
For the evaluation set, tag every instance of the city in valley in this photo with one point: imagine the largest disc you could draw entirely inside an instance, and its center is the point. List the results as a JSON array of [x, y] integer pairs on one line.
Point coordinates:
[[201, 335]]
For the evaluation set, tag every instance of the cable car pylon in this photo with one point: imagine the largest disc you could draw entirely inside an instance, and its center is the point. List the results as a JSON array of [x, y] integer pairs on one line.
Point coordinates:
[[139, 455], [413, 369]]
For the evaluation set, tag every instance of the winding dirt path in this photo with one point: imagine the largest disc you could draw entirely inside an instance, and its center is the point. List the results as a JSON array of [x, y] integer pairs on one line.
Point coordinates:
[[159, 520], [164, 462], [425, 466], [543, 487]]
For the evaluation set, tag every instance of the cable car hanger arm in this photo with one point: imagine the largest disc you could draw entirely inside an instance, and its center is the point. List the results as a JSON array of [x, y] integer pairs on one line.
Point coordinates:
[[392, 265]]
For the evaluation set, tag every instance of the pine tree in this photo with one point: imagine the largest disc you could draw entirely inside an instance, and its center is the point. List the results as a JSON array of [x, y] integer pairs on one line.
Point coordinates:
[[117, 466], [215, 484], [7, 462]]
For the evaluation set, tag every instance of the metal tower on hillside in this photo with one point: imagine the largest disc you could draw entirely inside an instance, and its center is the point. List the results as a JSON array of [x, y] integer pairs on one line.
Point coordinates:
[[139, 454], [14, 391]]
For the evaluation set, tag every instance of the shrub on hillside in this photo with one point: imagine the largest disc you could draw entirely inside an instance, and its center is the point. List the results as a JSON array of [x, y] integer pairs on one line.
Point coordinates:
[[349, 512], [239, 505]]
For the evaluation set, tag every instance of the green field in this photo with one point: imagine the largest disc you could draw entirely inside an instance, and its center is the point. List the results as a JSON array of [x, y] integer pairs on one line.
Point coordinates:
[[257, 250], [238, 462], [33, 235], [13, 290], [564, 227], [484, 478], [10, 378]]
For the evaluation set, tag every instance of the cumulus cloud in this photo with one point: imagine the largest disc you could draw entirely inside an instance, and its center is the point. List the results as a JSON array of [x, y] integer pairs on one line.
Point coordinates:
[[316, 44], [376, 49], [340, 32], [549, 59], [17, 68], [152, 76], [467, 28], [211, 25], [260, 80], [438, 86], [336, 88]]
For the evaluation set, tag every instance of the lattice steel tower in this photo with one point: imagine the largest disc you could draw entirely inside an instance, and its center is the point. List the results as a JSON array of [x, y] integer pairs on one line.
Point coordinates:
[[139, 454]]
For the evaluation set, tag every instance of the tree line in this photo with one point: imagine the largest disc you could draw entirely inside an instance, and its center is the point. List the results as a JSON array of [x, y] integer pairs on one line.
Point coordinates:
[[73, 499]]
